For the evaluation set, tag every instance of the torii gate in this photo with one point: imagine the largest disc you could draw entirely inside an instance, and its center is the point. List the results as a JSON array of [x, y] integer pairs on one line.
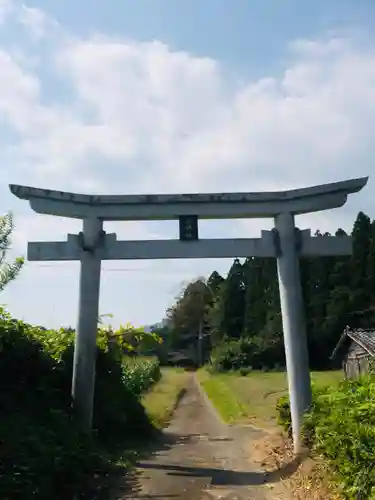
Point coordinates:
[[285, 243]]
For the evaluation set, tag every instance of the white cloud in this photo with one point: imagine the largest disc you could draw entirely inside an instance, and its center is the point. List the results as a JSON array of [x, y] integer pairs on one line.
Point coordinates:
[[19, 95], [6, 9], [38, 23], [141, 116], [182, 117]]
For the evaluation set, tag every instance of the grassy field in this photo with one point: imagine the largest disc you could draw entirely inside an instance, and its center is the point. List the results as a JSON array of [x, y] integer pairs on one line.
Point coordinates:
[[252, 399], [161, 400]]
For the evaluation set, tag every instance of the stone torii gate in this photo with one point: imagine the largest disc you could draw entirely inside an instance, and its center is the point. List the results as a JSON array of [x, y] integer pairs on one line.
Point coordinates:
[[285, 243]]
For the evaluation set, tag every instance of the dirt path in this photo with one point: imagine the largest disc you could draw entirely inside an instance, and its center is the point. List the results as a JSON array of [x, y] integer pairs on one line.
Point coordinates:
[[199, 458]]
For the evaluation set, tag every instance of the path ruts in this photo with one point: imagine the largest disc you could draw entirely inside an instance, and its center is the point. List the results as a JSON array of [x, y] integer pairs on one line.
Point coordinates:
[[198, 458]]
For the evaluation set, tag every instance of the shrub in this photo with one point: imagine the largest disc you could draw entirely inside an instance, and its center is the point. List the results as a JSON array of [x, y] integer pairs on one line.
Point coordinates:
[[284, 417], [139, 376], [341, 426], [43, 455], [244, 371], [256, 353], [231, 355]]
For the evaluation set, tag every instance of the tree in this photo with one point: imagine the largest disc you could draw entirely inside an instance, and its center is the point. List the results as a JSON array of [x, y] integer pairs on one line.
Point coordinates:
[[360, 300], [315, 278], [243, 314], [187, 315], [214, 283], [8, 271], [338, 311], [262, 300], [370, 276], [255, 308], [230, 304]]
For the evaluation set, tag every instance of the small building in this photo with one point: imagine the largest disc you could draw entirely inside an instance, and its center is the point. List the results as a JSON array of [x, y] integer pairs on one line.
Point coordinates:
[[356, 348], [183, 359]]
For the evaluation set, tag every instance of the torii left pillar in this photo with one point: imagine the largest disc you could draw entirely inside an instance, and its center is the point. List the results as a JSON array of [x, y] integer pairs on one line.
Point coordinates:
[[83, 383]]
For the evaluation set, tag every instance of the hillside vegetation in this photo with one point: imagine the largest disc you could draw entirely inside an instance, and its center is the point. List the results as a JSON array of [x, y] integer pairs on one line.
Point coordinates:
[[341, 427], [43, 455], [240, 315]]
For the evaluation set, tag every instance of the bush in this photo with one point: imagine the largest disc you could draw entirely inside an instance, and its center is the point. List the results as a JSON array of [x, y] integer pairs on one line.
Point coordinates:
[[254, 353], [244, 371], [43, 455], [284, 417], [341, 426], [140, 375], [230, 355]]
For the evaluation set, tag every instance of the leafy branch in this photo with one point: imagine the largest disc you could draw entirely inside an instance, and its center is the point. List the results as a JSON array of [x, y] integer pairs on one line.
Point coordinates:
[[8, 271]]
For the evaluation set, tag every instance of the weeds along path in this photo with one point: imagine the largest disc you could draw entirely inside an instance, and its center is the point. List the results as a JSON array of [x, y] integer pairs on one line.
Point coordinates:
[[198, 458]]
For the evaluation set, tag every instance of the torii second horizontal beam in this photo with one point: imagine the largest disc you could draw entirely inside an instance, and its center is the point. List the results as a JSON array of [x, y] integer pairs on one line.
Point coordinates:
[[175, 249]]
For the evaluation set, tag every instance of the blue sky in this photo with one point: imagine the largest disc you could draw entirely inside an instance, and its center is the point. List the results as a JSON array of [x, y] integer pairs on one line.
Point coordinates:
[[174, 96], [248, 34]]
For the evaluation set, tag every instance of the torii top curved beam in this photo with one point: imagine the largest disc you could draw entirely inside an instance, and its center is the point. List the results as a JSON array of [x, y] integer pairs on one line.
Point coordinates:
[[205, 206]]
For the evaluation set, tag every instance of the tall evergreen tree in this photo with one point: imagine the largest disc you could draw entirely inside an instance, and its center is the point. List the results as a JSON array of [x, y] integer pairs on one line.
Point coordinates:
[[337, 310], [262, 294], [370, 276], [255, 309], [338, 291], [214, 282], [360, 300], [231, 302]]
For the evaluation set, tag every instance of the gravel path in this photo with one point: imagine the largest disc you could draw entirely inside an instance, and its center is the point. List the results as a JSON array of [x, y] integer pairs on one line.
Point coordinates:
[[198, 458]]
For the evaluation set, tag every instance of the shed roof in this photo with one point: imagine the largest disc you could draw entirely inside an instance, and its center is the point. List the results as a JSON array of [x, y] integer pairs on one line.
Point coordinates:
[[365, 337]]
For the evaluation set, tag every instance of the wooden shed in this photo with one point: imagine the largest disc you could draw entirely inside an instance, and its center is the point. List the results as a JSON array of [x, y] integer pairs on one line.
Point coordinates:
[[356, 348]]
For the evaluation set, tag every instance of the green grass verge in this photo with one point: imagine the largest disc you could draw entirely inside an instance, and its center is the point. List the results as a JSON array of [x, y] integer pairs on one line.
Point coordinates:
[[160, 402], [252, 399]]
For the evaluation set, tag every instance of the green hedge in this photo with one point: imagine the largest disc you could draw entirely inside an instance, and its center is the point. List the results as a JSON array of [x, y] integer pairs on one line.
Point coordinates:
[[341, 426], [246, 354], [42, 453]]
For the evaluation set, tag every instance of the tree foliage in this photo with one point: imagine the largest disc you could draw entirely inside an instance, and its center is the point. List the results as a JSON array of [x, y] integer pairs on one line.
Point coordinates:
[[43, 454], [338, 291], [341, 427], [188, 316], [8, 270]]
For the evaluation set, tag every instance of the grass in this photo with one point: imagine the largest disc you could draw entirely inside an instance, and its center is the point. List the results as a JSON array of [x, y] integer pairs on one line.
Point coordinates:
[[161, 400], [252, 399]]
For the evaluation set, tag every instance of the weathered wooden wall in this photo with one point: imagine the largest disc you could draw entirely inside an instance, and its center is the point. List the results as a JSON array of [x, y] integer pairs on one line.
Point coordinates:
[[356, 361]]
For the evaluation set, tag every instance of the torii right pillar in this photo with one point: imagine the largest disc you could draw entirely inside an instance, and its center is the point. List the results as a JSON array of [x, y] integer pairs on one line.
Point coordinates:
[[294, 327]]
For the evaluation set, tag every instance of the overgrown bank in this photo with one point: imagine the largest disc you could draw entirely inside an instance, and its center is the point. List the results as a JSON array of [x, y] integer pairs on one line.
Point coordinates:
[[341, 428], [251, 397], [43, 455]]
